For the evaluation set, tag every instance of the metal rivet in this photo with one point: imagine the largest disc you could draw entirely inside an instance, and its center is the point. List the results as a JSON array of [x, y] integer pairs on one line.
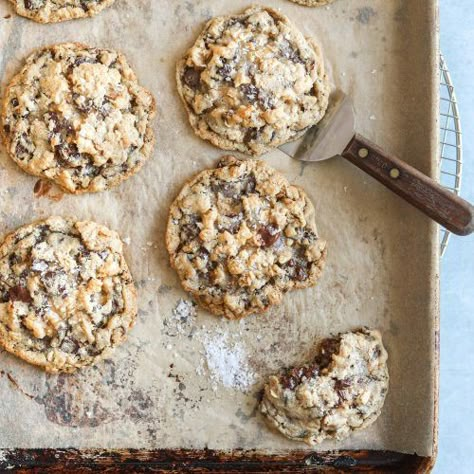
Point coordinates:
[[394, 173], [363, 153]]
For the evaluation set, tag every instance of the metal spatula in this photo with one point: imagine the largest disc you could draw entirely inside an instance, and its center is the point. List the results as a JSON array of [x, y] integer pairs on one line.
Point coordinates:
[[335, 135]]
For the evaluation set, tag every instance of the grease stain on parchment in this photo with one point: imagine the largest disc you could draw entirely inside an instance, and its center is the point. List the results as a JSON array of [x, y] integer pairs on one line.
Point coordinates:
[[15, 384], [244, 417], [400, 15], [96, 396], [365, 14]]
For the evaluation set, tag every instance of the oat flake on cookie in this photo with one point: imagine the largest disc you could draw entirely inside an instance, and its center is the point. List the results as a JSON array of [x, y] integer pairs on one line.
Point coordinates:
[[313, 3]]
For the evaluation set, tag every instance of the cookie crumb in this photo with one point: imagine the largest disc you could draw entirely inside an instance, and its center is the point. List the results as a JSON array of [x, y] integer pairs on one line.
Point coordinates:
[[42, 187]]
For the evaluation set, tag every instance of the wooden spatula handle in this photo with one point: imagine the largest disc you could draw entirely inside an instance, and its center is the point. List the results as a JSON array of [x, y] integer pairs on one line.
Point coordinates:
[[449, 210]]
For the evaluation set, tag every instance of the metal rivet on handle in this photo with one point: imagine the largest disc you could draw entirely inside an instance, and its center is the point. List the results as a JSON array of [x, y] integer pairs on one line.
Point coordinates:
[[363, 153], [394, 173]]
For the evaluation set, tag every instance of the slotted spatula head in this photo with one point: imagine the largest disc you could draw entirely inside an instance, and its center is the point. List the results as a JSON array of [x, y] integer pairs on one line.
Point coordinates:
[[330, 136]]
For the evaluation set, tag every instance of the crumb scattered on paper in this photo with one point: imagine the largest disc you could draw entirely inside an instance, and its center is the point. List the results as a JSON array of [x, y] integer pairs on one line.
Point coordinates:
[[181, 319]]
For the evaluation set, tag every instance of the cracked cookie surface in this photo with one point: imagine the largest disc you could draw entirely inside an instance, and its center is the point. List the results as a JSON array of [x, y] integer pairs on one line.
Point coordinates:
[[66, 294], [53, 11], [77, 116], [252, 82], [240, 236], [341, 391]]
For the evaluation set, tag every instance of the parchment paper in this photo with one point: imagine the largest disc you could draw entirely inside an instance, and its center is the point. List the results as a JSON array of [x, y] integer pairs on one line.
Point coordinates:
[[158, 389]]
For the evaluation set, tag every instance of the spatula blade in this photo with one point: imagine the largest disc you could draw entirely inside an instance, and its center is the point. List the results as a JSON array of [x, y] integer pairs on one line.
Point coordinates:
[[330, 136]]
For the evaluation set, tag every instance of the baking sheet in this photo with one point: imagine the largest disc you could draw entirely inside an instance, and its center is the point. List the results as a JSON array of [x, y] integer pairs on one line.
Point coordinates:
[[189, 380]]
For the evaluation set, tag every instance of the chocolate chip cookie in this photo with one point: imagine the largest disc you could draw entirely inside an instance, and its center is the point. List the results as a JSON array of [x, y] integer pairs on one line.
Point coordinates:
[[341, 391], [53, 11], [240, 236], [66, 293], [77, 116], [252, 82]]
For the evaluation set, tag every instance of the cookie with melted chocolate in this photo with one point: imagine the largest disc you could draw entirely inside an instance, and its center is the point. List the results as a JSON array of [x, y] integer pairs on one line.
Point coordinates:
[[66, 294], [240, 236], [252, 82]]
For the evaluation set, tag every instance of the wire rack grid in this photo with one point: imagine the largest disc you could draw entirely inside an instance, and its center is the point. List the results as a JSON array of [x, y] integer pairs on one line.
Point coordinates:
[[450, 160]]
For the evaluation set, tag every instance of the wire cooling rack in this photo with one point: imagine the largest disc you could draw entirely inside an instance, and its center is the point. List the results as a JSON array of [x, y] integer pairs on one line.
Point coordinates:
[[450, 160]]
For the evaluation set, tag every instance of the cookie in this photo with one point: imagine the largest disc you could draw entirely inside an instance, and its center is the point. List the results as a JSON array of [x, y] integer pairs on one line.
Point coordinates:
[[252, 82], [77, 116], [240, 236], [341, 391], [66, 294], [312, 3], [53, 11]]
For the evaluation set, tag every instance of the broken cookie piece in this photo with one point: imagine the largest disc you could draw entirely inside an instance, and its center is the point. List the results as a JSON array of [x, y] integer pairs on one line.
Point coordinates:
[[240, 236], [341, 391], [66, 294]]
